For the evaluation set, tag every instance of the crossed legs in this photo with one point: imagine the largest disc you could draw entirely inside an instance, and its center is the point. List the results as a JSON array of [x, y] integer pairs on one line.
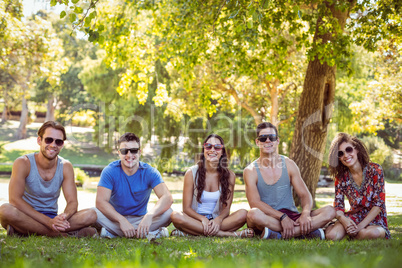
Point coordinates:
[[229, 225], [257, 219], [338, 232], [162, 220], [24, 224]]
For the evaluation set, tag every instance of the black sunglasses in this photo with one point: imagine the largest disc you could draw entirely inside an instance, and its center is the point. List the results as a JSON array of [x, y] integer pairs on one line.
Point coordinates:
[[49, 140], [124, 151], [217, 147], [348, 150], [271, 137]]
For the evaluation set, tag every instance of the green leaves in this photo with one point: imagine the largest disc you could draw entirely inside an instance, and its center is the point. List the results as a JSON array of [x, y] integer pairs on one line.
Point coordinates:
[[250, 23], [94, 36], [73, 17], [63, 14], [78, 10]]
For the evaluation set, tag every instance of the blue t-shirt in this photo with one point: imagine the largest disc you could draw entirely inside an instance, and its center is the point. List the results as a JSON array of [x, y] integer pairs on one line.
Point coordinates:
[[130, 194]]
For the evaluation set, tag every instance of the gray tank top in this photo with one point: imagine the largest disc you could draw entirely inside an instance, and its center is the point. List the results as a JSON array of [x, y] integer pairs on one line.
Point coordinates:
[[278, 195], [40, 194]]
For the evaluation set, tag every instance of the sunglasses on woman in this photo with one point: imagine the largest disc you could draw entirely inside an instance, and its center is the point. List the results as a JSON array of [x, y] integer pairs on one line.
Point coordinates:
[[271, 137], [49, 140], [125, 151], [217, 147], [348, 150]]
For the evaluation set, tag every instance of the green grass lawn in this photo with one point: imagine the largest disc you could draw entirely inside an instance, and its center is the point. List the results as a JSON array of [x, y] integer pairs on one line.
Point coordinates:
[[201, 252]]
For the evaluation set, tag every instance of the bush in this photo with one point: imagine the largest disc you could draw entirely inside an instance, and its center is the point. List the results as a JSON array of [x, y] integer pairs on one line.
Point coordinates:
[[83, 118], [239, 181], [381, 154], [6, 168], [393, 174], [80, 176]]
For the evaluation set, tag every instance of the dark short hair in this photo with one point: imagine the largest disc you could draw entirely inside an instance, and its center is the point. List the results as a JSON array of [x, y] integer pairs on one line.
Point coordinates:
[[52, 124], [126, 137], [265, 125]]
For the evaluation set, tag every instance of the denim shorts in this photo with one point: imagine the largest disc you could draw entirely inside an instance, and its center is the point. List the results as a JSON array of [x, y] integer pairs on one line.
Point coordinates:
[[49, 214], [208, 216]]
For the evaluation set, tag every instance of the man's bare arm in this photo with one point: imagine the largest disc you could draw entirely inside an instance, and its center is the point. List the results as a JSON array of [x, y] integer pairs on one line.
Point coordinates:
[[20, 172], [253, 196]]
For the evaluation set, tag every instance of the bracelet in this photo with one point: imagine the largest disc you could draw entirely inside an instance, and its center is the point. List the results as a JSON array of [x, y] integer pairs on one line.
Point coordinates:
[[283, 216]]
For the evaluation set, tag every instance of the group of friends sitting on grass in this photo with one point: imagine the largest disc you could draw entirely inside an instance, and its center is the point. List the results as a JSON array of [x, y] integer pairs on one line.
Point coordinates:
[[125, 187]]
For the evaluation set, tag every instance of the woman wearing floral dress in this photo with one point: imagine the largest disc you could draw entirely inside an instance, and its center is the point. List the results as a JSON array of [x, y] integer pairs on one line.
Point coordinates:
[[362, 182]]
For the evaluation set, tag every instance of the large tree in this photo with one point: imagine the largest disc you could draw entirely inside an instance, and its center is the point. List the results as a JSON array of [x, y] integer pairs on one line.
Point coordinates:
[[68, 92], [30, 49], [331, 27], [317, 98], [235, 64], [334, 29]]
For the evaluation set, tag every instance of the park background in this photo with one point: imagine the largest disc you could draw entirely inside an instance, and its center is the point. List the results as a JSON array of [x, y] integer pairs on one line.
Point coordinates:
[[174, 72]]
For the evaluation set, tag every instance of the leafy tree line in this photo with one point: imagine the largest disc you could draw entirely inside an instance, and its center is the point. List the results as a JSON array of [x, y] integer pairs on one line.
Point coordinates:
[[173, 70], [40, 63], [241, 53]]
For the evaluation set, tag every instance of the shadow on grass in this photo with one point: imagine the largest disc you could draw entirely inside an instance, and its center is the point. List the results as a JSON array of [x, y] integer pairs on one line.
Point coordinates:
[[8, 134], [11, 155], [74, 155], [395, 226]]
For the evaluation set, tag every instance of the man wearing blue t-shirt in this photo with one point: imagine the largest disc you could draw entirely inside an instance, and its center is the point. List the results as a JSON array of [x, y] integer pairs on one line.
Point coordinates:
[[123, 194]]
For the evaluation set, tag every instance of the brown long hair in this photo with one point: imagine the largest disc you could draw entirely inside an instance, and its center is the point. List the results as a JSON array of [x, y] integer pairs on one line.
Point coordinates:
[[336, 168], [224, 173]]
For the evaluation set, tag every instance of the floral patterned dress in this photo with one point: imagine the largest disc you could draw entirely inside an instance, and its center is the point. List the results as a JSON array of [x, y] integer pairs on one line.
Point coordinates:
[[362, 199]]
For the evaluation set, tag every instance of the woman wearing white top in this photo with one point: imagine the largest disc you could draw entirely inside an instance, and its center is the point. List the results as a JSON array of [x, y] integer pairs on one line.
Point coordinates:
[[207, 196]]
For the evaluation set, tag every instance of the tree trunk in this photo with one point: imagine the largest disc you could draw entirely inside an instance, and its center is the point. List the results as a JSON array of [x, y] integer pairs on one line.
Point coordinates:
[[315, 112], [22, 129], [4, 113], [50, 109], [272, 86]]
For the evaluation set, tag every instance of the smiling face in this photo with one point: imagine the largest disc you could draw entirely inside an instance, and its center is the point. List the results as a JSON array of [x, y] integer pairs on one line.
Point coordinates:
[[129, 161], [349, 159], [50, 151], [213, 155], [267, 147]]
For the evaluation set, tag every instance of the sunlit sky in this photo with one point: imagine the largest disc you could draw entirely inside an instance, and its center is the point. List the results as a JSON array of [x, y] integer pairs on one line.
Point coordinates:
[[31, 6]]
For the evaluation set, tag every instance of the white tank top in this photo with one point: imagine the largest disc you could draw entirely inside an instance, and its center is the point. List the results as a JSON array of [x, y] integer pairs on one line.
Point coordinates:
[[208, 202]]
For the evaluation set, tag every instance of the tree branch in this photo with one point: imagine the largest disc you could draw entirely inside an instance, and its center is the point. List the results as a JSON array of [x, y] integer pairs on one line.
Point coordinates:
[[286, 91], [233, 92], [217, 15], [81, 21], [287, 119]]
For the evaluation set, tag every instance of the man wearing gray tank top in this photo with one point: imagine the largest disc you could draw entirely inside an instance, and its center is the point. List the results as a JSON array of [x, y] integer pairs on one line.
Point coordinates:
[[35, 184], [270, 181]]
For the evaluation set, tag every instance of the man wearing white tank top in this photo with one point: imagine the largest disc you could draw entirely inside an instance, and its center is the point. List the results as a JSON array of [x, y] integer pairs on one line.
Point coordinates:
[[35, 184], [269, 183]]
